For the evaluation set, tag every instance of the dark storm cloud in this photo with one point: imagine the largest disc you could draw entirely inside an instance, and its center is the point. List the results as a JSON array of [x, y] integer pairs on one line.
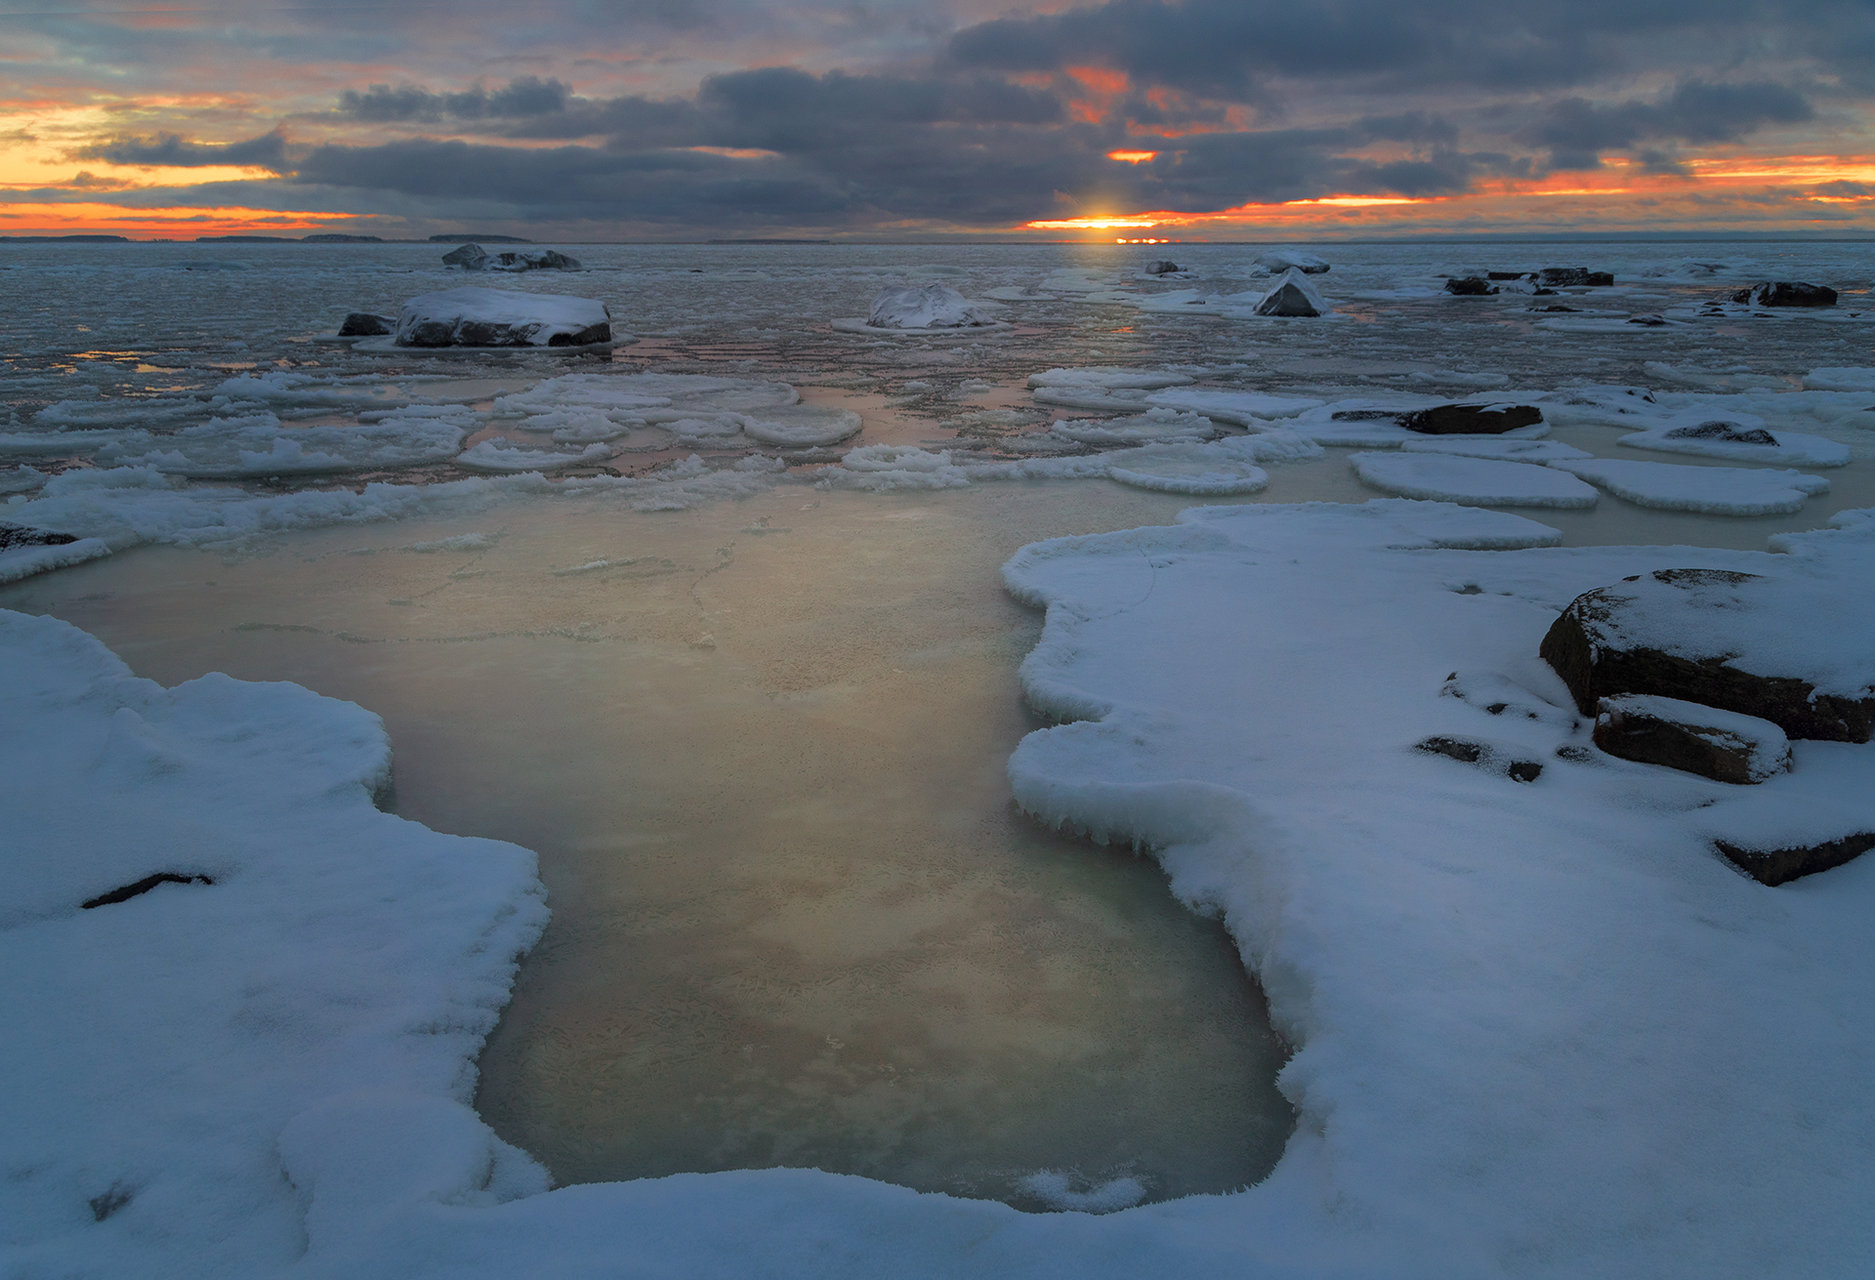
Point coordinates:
[[266, 152], [519, 98], [1576, 131]]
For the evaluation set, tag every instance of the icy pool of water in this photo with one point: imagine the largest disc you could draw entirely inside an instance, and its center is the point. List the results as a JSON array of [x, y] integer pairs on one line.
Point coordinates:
[[797, 919]]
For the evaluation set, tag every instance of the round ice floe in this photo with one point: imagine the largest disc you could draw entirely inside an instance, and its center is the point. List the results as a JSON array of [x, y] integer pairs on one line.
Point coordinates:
[[1840, 379], [1507, 449], [884, 468], [575, 426], [1155, 426], [257, 445], [743, 397], [801, 426], [1245, 408], [1183, 468], [505, 456], [1108, 379], [1083, 395], [714, 431], [1486, 482], [1739, 437], [1718, 491]]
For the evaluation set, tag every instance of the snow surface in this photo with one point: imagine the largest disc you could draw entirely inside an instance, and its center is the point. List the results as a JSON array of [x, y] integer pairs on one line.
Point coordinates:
[[930, 306], [1244, 408], [1512, 449], [1486, 482], [1717, 491], [1792, 447], [257, 445], [506, 456], [530, 319]]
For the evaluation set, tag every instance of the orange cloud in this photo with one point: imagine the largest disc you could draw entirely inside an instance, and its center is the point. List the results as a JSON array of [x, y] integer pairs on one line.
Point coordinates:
[[1133, 157], [175, 222]]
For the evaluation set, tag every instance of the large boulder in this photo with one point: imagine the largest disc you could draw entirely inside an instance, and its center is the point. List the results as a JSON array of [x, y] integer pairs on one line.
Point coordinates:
[[470, 257], [1737, 641], [1291, 296], [931, 306], [476, 317], [1471, 419], [1469, 287], [1723, 432], [367, 324], [1722, 745], [1787, 293], [1573, 277], [20, 535], [1163, 267]]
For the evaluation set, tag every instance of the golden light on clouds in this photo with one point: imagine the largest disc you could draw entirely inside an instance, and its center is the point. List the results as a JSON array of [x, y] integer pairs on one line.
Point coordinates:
[[1133, 157], [170, 222]]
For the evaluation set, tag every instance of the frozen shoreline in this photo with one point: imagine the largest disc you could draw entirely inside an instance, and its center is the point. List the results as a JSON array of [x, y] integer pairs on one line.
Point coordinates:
[[1593, 1003]]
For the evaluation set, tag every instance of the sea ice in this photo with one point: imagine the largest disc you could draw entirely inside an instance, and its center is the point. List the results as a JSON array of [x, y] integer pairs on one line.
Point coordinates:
[[1711, 436], [1505, 447], [1243, 408], [1475, 481], [257, 445], [931, 306], [801, 426], [1108, 379], [1155, 426], [1279, 261], [500, 455], [1718, 491]]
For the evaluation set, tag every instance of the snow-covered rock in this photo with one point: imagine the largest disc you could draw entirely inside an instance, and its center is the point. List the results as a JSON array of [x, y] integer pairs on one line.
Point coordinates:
[[1471, 419], [478, 317], [1739, 437], [1291, 296], [1787, 293], [472, 257], [1279, 261], [1722, 745], [930, 306]]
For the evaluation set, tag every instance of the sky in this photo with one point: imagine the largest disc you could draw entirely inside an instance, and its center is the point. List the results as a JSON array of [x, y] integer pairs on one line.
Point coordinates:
[[595, 120]]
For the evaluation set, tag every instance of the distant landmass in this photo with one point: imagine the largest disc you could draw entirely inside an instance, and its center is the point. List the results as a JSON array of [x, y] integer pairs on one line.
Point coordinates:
[[340, 237], [245, 240], [71, 239], [463, 238], [769, 240]]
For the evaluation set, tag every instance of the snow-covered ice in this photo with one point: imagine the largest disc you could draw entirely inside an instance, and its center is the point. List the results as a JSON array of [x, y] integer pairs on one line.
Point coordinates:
[[1108, 379], [1485, 482], [501, 455], [1718, 491], [1740, 438], [258, 445], [930, 306], [1243, 408]]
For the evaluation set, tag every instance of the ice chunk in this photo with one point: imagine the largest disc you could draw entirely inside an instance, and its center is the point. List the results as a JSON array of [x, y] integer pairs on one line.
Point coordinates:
[[1152, 427], [1108, 379], [1244, 408], [1840, 378], [257, 445], [1474, 481], [931, 306], [475, 317], [1741, 437], [506, 456], [801, 426], [1719, 491], [1199, 470]]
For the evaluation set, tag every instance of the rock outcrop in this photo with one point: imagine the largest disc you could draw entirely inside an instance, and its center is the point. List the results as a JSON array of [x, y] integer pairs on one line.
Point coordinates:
[[1774, 866], [366, 324], [1471, 419], [1787, 293], [502, 318], [1699, 635], [1291, 296], [1722, 745]]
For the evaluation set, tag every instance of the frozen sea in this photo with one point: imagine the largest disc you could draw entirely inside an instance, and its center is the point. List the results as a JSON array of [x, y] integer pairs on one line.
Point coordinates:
[[712, 621]]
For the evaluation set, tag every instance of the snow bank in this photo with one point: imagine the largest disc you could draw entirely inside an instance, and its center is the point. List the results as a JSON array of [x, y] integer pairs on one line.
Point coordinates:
[[277, 1036], [1475, 481], [1543, 1029], [1717, 491]]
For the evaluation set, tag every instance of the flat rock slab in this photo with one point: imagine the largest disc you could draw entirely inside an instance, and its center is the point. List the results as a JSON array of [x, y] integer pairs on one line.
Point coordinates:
[[1722, 745], [1781, 865], [1736, 641]]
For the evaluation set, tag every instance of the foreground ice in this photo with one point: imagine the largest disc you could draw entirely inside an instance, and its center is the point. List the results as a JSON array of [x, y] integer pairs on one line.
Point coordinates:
[[1488, 482]]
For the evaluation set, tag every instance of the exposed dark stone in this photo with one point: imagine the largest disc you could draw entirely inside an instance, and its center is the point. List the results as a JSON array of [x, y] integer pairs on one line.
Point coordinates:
[[1650, 320], [363, 324], [1573, 277], [1600, 280], [470, 257], [585, 337], [19, 535], [1787, 293], [138, 888], [1555, 306], [1510, 275], [1599, 649], [1364, 415], [532, 260], [1729, 432], [1471, 419], [1684, 736], [103, 1206], [1287, 299], [1466, 751], [1778, 866], [1469, 286], [1162, 267]]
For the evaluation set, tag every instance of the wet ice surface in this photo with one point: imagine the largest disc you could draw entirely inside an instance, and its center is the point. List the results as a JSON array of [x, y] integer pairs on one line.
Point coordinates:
[[760, 744]]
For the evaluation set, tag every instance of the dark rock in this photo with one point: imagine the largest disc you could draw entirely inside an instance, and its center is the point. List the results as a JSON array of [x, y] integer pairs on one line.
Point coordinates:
[[1650, 320], [1482, 754], [1163, 267], [1600, 280], [1469, 286], [1510, 275], [1290, 298], [1787, 293], [1364, 415], [1630, 638], [137, 888], [1556, 306], [19, 535], [470, 257], [1718, 429], [1777, 866], [109, 1202], [1573, 277], [1471, 419], [532, 260], [364, 324], [1722, 745]]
